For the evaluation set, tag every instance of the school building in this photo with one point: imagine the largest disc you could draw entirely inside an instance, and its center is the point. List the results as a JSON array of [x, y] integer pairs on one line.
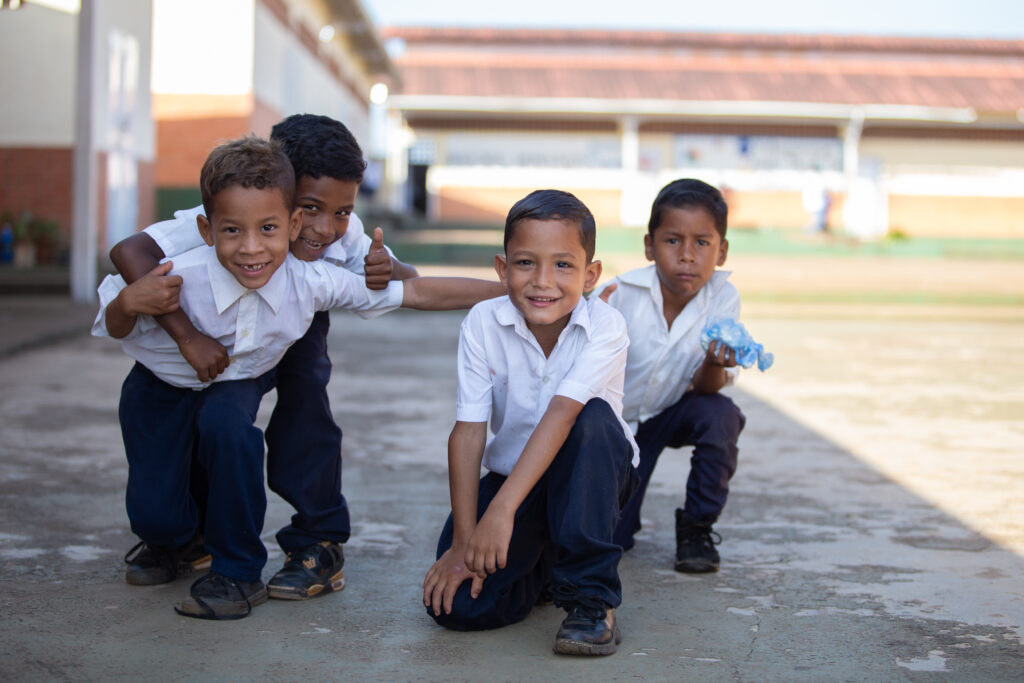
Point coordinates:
[[921, 136], [139, 91]]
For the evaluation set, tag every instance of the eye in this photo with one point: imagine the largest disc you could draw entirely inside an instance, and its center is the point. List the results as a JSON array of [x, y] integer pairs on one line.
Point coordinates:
[[671, 240], [230, 229], [343, 213], [523, 262], [269, 227], [311, 209], [564, 264], [703, 243]]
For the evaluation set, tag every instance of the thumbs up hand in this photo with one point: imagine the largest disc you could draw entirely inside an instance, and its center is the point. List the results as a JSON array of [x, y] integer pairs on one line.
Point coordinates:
[[377, 262]]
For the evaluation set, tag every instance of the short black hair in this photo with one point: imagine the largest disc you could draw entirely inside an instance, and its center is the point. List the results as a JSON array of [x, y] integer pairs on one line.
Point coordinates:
[[689, 192], [554, 205], [320, 146], [249, 161]]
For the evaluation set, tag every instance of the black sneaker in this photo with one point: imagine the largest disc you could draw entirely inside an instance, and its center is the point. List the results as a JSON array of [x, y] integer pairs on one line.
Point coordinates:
[[313, 570], [215, 596], [150, 565], [695, 545], [589, 629]]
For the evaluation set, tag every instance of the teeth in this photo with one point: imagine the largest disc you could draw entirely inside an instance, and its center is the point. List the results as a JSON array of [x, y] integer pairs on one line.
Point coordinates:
[[313, 245], [252, 269]]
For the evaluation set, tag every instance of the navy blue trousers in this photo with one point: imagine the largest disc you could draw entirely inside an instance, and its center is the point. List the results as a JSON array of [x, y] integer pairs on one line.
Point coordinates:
[[711, 423], [562, 532], [304, 444], [165, 429]]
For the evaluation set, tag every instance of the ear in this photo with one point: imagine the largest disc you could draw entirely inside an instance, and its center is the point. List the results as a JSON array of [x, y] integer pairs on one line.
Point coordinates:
[[593, 271], [501, 267], [648, 247], [723, 252], [295, 225], [205, 229]]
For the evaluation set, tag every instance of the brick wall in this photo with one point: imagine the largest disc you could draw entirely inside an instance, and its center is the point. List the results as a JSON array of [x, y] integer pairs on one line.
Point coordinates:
[[37, 179]]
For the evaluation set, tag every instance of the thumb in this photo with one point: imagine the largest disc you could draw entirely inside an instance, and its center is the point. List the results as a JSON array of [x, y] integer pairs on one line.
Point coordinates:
[[378, 239], [163, 268]]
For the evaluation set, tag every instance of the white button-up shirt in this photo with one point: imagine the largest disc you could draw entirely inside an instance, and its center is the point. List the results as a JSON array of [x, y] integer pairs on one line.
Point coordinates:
[[256, 326], [504, 376], [181, 234], [661, 362]]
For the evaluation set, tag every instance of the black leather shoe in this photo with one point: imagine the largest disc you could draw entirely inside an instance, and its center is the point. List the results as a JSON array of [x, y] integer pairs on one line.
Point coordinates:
[[309, 572], [588, 630], [695, 545], [219, 597]]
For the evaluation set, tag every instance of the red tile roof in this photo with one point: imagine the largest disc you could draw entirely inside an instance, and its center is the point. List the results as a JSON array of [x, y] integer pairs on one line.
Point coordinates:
[[987, 75]]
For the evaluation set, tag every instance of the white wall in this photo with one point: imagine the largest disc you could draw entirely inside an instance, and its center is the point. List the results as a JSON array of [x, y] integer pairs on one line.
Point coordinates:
[[37, 90], [289, 79]]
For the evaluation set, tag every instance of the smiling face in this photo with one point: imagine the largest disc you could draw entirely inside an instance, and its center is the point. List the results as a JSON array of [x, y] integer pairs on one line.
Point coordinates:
[[250, 230], [326, 205], [685, 248], [546, 271]]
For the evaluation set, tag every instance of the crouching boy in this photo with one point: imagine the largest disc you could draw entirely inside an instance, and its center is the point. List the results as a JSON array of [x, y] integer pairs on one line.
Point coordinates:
[[546, 366], [249, 294]]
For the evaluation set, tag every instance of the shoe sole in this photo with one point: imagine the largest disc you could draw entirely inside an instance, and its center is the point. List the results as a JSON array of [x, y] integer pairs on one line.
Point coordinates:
[[223, 611], [336, 584], [141, 578], [580, 648], [691, 567]]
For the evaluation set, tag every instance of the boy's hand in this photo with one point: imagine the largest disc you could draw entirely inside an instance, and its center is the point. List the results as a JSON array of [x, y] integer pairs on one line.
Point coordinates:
[[206, 355], [155, 293], [377, 262], [720, 354], [444, 578], [487, 550], [607, 293]]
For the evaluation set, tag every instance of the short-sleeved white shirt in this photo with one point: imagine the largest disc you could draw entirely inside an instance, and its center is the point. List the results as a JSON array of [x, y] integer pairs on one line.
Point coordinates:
[[661, 362], [256, 326], [181, 234], [504, 376]]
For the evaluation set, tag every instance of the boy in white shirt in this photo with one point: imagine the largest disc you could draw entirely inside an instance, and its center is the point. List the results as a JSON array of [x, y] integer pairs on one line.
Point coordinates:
[[546, 367], [247, 292], [304, 464], [671, 389]]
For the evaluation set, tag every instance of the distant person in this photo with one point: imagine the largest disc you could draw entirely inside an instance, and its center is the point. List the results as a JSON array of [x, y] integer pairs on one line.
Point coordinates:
[[545, 366], [250, 294], [672, 385], [817, 201], [303, 440]]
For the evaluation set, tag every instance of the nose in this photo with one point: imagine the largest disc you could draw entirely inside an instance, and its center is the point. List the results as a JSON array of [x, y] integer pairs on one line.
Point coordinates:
[[545, 275], [686, 251], [321, 225], [251, 243]]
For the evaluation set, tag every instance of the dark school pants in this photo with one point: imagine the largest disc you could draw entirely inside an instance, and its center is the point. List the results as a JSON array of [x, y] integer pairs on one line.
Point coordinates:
[[711, 423], [304, 444], [165, 428], [562, 533]]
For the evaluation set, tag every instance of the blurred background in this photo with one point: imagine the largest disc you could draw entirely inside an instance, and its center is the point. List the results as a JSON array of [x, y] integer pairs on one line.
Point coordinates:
[[872, 129]]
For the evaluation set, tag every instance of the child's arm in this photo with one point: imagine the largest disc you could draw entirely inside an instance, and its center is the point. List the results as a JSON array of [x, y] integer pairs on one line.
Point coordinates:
[[380, 267], [448, 293], [487, 549], [465, 451], [711, 376], [136, 256], [143, 298]]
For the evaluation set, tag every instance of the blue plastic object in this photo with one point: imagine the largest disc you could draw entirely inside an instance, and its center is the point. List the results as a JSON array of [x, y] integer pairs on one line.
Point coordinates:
[[731, 333]]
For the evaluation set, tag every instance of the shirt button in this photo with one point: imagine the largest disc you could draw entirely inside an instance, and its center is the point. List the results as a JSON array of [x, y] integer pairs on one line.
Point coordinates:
[[545, 380], [654, 381], [245, 333]]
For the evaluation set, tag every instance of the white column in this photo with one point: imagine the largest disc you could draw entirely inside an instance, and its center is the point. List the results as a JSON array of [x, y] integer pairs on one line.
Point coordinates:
[[84, 199], [634, 202]]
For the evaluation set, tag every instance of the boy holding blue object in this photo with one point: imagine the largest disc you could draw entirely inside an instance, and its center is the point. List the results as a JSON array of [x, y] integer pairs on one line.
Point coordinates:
[[672, 383]]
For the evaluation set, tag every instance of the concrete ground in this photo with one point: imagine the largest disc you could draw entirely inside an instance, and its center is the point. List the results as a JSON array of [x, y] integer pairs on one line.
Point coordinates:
[[873, 532]]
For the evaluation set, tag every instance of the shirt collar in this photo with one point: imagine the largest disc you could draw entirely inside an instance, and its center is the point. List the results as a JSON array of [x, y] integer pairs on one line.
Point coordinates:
[[227, 290]]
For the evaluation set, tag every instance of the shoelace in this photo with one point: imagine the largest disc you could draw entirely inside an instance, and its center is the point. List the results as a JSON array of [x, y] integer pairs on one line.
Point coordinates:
[[704, 535], [569, 597]]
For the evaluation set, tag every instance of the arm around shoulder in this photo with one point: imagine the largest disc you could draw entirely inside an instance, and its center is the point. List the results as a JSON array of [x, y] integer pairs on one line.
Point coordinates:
[[449, 293]]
